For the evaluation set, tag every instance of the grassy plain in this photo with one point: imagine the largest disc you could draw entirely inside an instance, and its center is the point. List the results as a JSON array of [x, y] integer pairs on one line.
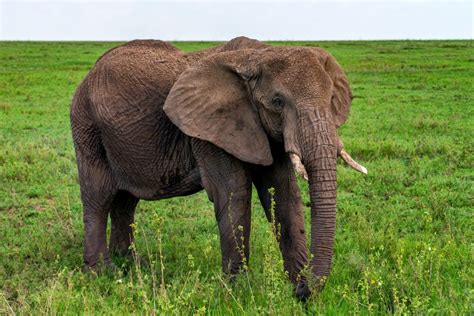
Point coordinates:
[[404, 240]]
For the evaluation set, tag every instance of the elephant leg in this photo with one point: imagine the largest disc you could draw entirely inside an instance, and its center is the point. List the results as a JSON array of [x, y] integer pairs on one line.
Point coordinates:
[[97, 193], [234, 227], [289, 217], [122, 213], [95, 243], [227, 182]]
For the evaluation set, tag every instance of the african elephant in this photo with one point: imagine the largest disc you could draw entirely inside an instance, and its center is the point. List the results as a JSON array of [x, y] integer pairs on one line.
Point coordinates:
[[151, 122]]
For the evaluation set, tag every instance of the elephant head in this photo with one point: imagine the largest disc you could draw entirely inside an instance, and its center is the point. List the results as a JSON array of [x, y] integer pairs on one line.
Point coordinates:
[[242, 100]]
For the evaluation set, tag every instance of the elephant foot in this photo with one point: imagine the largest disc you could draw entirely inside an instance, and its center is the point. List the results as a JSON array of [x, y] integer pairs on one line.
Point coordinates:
[[141, 262], [302, 291], [101, 267], [121, 252], [130, 262]]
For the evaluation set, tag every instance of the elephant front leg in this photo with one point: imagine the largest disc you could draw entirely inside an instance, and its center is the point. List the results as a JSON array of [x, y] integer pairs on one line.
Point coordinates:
[[233, 217], [228, 184], [289, 217]]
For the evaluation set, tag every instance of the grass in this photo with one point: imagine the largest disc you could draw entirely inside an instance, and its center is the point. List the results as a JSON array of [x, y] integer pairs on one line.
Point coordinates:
[[404, 239]]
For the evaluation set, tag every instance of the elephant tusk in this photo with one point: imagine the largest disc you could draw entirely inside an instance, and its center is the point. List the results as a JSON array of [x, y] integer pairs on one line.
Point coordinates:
[[351, 162], [298, 165]]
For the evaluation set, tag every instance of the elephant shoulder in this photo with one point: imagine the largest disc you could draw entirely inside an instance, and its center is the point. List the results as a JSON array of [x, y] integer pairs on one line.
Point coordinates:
[[236, 43], [243, 42]]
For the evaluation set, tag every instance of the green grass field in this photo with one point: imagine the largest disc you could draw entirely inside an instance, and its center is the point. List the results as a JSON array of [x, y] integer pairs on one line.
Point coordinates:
[[404, 240]]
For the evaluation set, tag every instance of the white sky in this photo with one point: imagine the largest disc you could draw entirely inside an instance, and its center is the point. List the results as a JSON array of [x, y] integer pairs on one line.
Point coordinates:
[[222, 20]]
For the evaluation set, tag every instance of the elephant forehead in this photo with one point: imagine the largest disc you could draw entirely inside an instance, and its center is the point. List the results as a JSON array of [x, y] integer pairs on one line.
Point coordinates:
[[304, 78], [292, 55], [293, 63]]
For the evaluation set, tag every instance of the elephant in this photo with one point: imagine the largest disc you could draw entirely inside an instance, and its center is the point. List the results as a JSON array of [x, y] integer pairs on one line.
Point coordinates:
[[152, 122]]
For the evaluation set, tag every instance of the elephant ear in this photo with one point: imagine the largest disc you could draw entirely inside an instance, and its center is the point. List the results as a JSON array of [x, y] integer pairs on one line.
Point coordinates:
[[342, 96], [210, 101]]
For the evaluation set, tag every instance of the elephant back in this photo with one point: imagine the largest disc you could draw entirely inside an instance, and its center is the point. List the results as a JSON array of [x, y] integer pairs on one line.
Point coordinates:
[[134, 79]]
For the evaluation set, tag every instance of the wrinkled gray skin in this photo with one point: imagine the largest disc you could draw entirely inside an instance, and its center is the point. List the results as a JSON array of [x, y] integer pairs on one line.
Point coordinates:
[[151, 122]]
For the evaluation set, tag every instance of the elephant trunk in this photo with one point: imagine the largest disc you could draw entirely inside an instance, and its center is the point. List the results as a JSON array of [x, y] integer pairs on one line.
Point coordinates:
[[319, 152], [322, 188]]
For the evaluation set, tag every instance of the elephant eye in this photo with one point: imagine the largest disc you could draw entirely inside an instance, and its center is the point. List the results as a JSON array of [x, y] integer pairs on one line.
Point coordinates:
[[278, 102]]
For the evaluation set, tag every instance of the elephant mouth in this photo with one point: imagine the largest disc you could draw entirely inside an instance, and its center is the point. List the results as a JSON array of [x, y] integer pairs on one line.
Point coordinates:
[[301, 170], [298, 166]]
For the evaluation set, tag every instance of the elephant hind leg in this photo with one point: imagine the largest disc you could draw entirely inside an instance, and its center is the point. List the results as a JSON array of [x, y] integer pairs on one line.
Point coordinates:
[[98, 185], [97, 194], [98, 189], [122, 211]]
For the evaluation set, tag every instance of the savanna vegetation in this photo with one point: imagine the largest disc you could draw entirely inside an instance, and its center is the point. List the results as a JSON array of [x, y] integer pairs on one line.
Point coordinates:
[[404, 239]]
